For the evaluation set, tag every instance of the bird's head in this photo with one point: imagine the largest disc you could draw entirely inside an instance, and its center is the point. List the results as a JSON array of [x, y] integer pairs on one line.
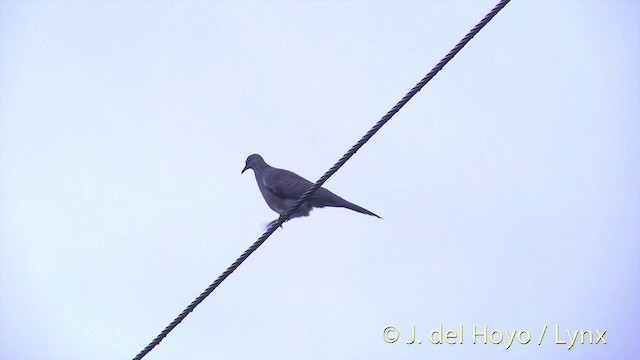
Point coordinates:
[[253, 161]]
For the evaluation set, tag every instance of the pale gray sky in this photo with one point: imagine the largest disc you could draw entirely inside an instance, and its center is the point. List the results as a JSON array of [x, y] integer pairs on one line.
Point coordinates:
[[509, 186]]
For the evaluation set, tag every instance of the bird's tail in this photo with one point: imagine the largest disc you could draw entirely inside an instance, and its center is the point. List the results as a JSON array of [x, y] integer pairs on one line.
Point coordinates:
[[323, 197], [336, 201], [357, 208]]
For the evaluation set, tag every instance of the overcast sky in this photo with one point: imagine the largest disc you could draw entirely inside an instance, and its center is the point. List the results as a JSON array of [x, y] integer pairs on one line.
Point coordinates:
[[509, 186]]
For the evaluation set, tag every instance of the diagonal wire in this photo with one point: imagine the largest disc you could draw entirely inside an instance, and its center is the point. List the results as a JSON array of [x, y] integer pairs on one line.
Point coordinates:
[[284, 217]]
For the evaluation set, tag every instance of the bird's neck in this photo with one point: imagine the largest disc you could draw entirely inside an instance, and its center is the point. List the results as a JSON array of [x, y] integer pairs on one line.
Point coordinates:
[[261, 168]]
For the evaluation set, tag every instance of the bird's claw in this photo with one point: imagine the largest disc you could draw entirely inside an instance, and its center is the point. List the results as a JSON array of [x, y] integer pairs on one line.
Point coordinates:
[[274, 221]]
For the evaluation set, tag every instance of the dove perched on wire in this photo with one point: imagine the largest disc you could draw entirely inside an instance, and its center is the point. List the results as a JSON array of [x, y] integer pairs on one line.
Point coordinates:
[[282, 188]]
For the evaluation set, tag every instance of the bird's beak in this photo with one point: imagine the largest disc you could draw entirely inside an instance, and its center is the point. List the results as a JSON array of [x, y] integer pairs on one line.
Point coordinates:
[[245, 169]]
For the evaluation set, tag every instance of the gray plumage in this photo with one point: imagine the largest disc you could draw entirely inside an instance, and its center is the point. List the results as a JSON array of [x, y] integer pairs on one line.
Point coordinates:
[[282, 188]]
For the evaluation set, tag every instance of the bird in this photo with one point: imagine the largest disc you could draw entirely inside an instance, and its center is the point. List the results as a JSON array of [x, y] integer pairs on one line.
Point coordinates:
[[282, 188]]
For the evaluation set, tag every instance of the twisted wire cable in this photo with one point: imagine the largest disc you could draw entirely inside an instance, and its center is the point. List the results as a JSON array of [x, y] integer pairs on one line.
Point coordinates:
[[285, 216]]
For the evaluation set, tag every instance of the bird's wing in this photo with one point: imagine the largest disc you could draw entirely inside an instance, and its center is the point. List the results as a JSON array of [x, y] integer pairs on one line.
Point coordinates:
[[289, 185], [285, 184]]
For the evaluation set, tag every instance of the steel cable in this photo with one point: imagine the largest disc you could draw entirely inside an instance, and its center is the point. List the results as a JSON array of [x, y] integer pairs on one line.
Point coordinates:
[[284, 217]]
